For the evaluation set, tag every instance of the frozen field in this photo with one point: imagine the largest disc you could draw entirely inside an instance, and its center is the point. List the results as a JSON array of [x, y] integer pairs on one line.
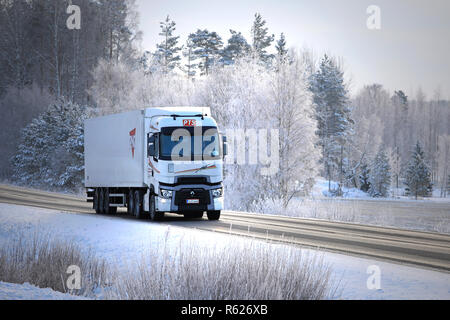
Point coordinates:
[[431, 214], [122, 241]]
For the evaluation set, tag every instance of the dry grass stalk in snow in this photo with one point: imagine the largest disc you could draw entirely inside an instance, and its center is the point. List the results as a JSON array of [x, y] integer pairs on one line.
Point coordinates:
[[43, 262], [242, 269]]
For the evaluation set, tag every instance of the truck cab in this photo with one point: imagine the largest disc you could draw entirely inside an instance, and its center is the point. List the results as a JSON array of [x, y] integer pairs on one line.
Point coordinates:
[[185, 154]]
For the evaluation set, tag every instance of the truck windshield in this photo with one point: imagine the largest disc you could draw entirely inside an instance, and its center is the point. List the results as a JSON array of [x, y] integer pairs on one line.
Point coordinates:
[[189, 143]]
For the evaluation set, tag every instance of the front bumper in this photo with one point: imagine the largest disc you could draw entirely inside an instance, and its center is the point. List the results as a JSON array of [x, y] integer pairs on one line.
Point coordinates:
[[177, 204]]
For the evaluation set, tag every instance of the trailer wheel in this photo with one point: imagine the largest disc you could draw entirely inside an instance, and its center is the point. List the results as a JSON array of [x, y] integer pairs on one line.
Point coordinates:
[[154, 215], [106, 201], [213, 215], [101, 197], [130, 203], [96, 201], [138, 204]]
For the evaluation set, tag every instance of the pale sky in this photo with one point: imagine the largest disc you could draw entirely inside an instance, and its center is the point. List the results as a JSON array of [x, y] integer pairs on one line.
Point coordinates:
[[411, 50]]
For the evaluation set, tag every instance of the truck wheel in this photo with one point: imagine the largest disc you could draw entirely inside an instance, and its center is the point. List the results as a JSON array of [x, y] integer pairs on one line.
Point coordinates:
[[154, 215], [106, 201], [138, 205], [130, 203], [96, 201], [101, 197], [213, 215]]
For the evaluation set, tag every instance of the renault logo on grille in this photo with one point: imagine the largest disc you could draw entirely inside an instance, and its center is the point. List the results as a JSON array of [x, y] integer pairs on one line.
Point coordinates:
[[192, 193]]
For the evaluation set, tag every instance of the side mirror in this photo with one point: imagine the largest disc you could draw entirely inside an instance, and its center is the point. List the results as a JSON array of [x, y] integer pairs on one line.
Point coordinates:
[[151, 147]]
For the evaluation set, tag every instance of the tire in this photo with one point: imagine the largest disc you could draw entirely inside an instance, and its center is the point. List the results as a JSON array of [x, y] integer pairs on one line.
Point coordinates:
[[213, 215], [106, 201], [138, 212], [154, 215], [96, 201], [101, 197], [130, 203]]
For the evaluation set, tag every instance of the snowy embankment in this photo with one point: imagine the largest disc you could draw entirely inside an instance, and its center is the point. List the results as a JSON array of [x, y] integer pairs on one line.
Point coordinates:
[[26, 291], [121, 242]]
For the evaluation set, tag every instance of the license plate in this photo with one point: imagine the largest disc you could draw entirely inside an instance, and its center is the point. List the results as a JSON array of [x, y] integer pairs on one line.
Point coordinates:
[[193, 201]]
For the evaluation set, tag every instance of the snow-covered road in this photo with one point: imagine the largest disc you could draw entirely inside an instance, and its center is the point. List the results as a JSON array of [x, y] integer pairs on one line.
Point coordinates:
[[121, 241]]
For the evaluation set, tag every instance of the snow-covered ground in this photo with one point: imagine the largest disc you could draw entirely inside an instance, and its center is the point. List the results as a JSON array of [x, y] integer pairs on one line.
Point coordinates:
[[121, 241], [356, 206], [26, 291], [321, 189]]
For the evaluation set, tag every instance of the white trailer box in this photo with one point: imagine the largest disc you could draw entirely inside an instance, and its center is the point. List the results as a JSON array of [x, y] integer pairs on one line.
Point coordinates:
[[114, 150]]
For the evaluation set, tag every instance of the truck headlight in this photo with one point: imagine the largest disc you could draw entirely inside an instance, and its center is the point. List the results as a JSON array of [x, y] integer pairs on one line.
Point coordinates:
[[217, 193], [166, 194]]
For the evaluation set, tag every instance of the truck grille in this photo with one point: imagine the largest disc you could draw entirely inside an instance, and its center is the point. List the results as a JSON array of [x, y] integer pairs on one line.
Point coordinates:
[[184, 194]]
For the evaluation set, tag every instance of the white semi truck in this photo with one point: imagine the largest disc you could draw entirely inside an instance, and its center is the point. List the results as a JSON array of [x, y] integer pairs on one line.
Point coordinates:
[[155, 161]]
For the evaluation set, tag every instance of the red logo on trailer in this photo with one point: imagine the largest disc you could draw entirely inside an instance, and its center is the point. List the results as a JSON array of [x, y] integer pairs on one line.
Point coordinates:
[[189, 123], [133, 141]]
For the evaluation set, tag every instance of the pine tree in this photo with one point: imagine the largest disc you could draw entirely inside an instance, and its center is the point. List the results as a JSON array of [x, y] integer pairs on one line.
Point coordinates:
[[261, 39], [51, 152], [167, 49], [380, 176], [364, 177], [418, 176], [237, 47], [333, 115], [281, 48], [207, 46], [400, 98], [190, 66]]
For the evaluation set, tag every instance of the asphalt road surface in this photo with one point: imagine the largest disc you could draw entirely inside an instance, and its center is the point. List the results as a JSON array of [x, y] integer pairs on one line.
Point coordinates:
[[425, 249]]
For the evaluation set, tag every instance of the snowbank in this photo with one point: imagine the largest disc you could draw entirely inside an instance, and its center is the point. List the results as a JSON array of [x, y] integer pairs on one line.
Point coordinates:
[[11, 291], [321, 189]]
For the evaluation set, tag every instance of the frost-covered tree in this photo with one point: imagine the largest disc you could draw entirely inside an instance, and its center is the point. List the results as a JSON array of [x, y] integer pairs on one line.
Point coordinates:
[[51, 153], [333, 115], [188, 52], [364, 177], [400, 98], [113, 86], [167, 50], [380, 175], [444, 161], [281, 48], [243, 96], [236, 48], [261, 39], [118, 87], [207, 46], [448, 184], [293, 111], [418, 176]]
